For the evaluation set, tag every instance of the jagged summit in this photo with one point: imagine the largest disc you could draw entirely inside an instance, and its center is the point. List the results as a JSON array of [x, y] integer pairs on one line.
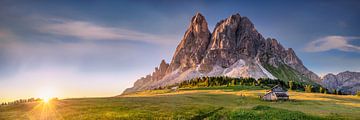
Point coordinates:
[[192, 47], [198, 19], [234, 48]]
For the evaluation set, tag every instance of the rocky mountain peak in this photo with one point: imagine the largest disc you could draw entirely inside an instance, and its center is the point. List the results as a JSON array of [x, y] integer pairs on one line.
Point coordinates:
[[233, 19], [230, 41], [224, 35], [193, 46], [163, 67], [275, 47], [198, 23], [234, 48], [274, 43], [237, 33], [291, 57]]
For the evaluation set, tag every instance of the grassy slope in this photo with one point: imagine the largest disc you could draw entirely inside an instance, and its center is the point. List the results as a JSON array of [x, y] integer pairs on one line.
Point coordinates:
[[286, 73], [212, 103]]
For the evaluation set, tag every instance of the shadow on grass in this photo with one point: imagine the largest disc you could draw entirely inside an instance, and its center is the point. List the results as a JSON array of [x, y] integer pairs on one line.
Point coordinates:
[[205, 115]]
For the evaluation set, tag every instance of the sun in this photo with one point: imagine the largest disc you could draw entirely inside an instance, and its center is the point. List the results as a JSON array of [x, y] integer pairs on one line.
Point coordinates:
[[46, 94], [46, 99]]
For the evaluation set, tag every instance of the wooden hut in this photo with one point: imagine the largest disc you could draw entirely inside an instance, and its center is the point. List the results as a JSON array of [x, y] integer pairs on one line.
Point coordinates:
[[175, 88], [276, 93]]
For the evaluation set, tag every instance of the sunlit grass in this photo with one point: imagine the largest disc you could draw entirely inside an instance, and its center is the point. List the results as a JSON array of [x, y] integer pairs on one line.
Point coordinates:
[[189, 104], [44, 110]]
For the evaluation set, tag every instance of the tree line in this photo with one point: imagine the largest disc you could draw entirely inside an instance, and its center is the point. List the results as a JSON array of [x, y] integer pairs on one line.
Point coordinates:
[[21, 101], [24, 101], [248, 81]]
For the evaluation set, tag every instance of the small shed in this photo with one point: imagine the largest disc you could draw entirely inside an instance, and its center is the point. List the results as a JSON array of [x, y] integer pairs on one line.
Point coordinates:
[[175, 88], [276, 93]]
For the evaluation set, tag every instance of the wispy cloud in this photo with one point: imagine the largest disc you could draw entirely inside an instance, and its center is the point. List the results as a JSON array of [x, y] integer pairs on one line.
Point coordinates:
[[91, 31], [6, 35], [2, 33], [332, 43]]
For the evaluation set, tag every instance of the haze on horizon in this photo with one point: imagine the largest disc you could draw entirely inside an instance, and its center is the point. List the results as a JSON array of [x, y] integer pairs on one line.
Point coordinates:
[[93, 48]]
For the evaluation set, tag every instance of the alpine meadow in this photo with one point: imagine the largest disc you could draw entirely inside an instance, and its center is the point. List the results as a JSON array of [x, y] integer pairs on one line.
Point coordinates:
[[181, 60]]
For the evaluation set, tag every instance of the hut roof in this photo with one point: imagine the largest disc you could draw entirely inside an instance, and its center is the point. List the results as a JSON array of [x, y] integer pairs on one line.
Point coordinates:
[[277, 88], [281, 95]]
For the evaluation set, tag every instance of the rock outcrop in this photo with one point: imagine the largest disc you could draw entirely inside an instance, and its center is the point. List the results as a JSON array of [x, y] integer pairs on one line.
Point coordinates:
[[143, 82], [235, 49], [193, 46], [233, 38], [346, 82]]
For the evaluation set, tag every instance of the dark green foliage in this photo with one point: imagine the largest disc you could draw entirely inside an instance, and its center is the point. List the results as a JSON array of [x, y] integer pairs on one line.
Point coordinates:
[[224, 80], [321, 90], [205, 82], [270, 82], [212, 81], [228, 88], [202, 115], [261, 107]]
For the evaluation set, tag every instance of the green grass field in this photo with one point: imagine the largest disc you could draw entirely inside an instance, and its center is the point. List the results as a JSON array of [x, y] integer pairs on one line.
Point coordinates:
[[239, 102]]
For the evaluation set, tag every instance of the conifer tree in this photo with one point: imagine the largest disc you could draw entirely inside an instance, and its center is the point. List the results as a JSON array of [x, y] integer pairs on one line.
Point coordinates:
[[290, 85]]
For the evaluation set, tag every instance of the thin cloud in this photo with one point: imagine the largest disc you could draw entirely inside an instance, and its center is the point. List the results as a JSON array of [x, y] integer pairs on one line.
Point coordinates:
[[6, 35], [90, 31], [332, 43], [3, 34]]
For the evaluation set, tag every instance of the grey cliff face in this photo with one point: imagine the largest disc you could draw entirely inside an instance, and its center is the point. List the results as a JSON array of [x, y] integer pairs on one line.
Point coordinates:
[[346, 82], [234, 48], [271, 52], [294, 62], [233, 38], [193, 46]]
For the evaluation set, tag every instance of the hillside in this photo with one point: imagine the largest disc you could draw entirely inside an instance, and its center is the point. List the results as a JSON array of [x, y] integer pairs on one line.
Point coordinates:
[[197, 103]]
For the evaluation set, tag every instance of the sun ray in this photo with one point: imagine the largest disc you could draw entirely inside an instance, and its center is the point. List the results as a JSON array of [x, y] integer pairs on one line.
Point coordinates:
[[45, 111]]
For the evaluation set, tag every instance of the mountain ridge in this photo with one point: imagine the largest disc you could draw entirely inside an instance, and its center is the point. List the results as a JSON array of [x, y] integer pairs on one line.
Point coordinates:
[[235, 48], [345, 82]]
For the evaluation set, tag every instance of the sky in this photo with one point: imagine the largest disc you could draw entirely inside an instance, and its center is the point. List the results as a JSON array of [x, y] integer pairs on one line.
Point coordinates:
[[99, 48]]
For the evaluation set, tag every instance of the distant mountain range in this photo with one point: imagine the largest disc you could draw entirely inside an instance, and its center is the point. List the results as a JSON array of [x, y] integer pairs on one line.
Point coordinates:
[[346, 82], [235, 49]]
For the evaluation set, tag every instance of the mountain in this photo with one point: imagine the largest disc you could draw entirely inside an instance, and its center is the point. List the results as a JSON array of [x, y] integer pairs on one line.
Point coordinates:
[[346, 82], [234, 48]]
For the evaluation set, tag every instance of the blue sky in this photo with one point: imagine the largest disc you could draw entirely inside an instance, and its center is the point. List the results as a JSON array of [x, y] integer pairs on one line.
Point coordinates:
[[99, 48]]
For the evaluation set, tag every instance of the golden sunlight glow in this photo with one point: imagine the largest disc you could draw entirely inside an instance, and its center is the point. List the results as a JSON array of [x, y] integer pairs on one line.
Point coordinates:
[[46, 99], [46, 94]]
